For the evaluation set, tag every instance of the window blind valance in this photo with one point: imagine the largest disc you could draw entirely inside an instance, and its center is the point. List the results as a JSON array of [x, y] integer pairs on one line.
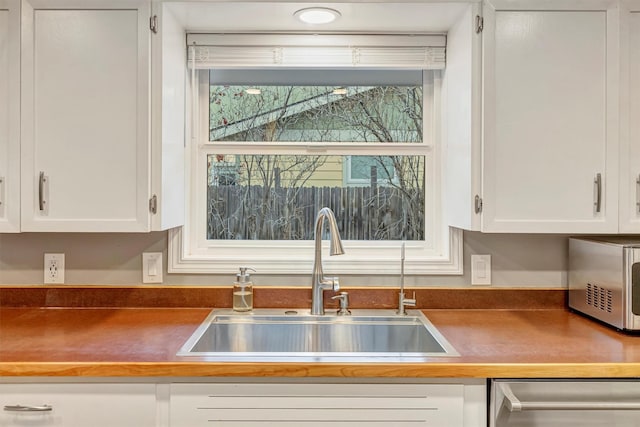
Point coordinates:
[[425, 52]]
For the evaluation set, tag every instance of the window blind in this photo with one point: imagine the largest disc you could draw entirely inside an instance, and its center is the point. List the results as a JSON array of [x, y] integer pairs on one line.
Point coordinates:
[[425, 52]]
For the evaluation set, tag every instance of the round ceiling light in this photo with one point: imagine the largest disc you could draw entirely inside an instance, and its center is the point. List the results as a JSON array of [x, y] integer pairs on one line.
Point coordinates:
[[317, 15]]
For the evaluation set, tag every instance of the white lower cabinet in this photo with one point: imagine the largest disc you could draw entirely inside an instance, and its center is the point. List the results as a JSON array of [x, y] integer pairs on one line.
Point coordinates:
[[302, 405], [78, 405], [254, 402]]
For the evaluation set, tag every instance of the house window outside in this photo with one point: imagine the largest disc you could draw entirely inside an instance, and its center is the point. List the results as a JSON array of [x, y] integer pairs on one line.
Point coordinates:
[[367, 170], [268, 155]]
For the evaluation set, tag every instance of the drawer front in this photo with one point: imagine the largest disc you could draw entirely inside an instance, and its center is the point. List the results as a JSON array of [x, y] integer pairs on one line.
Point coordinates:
[[78, 405], [336, 405]]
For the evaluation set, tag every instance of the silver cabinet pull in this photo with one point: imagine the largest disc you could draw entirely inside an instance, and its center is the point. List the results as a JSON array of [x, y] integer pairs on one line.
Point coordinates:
[[598, 184], [41, 200], [28, 408], [638, 193], [1, 190]]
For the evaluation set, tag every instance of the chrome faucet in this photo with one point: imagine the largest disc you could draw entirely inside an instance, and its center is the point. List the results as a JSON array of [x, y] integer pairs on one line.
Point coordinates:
[[319, 282]]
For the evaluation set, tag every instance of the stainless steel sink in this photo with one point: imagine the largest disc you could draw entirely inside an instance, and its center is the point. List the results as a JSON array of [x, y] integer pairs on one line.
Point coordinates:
[[295, 335]]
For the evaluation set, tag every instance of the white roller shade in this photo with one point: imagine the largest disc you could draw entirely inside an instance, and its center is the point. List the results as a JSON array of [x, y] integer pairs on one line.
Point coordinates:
[[332, 51]]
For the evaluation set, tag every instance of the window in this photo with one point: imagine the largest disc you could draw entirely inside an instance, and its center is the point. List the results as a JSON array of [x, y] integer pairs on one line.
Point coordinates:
[[272, 147]]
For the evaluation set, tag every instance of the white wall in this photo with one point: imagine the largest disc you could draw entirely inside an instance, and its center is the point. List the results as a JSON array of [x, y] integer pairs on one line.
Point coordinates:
[[94, 258]]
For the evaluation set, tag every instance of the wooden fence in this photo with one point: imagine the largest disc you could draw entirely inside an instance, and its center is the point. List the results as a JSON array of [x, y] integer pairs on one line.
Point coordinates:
[[362, 213]]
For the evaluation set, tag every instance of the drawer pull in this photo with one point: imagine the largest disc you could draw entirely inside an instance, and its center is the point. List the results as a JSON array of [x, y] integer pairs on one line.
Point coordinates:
[[28, 408]]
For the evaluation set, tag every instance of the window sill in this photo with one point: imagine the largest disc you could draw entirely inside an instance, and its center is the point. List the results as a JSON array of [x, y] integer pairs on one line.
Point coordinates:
[[298, 259]]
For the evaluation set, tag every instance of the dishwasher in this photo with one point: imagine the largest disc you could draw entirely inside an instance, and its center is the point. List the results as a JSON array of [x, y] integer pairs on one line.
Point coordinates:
[[559, 403]]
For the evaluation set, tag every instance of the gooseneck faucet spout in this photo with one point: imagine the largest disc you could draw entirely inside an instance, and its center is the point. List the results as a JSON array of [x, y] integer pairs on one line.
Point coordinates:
[[319, 282]]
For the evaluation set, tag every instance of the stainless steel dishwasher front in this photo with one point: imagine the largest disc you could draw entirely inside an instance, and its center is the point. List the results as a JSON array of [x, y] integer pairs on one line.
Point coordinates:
[[560, 403]]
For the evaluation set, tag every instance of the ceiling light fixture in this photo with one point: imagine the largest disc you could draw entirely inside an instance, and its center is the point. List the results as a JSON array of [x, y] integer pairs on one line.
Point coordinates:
[[317, 15], [339, 91], [253, 91]]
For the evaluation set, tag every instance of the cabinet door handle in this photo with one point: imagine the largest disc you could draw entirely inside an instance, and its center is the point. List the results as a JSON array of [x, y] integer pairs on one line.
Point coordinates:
[[28, 408], [638, 193], [1, 190], [598, 184], [41, 200]]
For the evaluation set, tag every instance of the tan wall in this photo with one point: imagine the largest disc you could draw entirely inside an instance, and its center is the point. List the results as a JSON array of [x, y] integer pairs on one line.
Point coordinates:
[[329, 174]]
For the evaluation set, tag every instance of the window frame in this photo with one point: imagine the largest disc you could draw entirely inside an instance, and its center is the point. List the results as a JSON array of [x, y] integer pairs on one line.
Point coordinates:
[[190, 252]]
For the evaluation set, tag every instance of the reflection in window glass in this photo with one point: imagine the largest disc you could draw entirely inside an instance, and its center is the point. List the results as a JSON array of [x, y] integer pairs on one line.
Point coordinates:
[[316, 113], [276, 197]]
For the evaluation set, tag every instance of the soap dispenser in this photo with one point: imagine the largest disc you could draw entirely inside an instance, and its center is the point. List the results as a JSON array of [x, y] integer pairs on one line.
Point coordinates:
[[243, 291]]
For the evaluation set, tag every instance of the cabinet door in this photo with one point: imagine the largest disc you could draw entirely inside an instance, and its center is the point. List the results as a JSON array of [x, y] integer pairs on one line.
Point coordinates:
[[85, 128], [78, 405], [550, 117], [630, 141], [463, 115], [168, 119], [339, 405], [9, 115]]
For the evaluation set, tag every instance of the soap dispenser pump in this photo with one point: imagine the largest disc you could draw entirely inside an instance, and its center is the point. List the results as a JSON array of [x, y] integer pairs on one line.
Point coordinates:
[[243, 291]]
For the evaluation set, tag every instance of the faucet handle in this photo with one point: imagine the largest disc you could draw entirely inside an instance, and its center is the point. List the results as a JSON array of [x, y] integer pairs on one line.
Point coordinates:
[[411, 302], [405, 302], [334, 282]]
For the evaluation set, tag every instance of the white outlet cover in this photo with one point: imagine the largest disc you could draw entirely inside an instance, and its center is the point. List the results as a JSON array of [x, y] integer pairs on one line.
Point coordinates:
[[54, 269]]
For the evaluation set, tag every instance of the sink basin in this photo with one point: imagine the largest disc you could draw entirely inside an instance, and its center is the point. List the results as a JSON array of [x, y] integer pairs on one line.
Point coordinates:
[[296, 335]]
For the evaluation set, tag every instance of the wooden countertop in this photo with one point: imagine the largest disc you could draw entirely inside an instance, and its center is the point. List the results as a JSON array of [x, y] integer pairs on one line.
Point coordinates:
[[142, 342]]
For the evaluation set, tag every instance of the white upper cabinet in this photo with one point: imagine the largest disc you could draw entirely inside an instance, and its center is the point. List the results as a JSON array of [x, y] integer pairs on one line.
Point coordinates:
[[9, 115], [550, 136], [168, 95], [545, 159], [85, 115], [630, 129], [463, 120]]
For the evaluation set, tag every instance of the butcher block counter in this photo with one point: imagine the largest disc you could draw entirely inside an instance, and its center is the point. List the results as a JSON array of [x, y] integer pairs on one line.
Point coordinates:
[[116, 332]]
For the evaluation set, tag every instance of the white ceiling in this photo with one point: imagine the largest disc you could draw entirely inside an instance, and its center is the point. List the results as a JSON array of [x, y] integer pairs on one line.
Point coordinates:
[[361, 17]]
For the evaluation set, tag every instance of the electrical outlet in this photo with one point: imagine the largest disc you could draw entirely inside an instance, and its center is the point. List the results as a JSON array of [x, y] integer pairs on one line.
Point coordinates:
[[53, 268]]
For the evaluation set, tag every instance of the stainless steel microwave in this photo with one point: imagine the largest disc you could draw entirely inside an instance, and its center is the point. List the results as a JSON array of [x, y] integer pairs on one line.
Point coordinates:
[[604, 280]]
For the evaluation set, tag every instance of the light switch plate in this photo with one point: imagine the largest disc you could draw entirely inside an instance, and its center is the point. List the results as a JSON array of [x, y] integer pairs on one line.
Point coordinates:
[[480, 269], [152, 267]]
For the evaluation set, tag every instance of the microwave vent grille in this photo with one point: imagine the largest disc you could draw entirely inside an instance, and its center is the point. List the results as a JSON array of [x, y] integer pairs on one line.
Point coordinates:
[[599, 298]]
